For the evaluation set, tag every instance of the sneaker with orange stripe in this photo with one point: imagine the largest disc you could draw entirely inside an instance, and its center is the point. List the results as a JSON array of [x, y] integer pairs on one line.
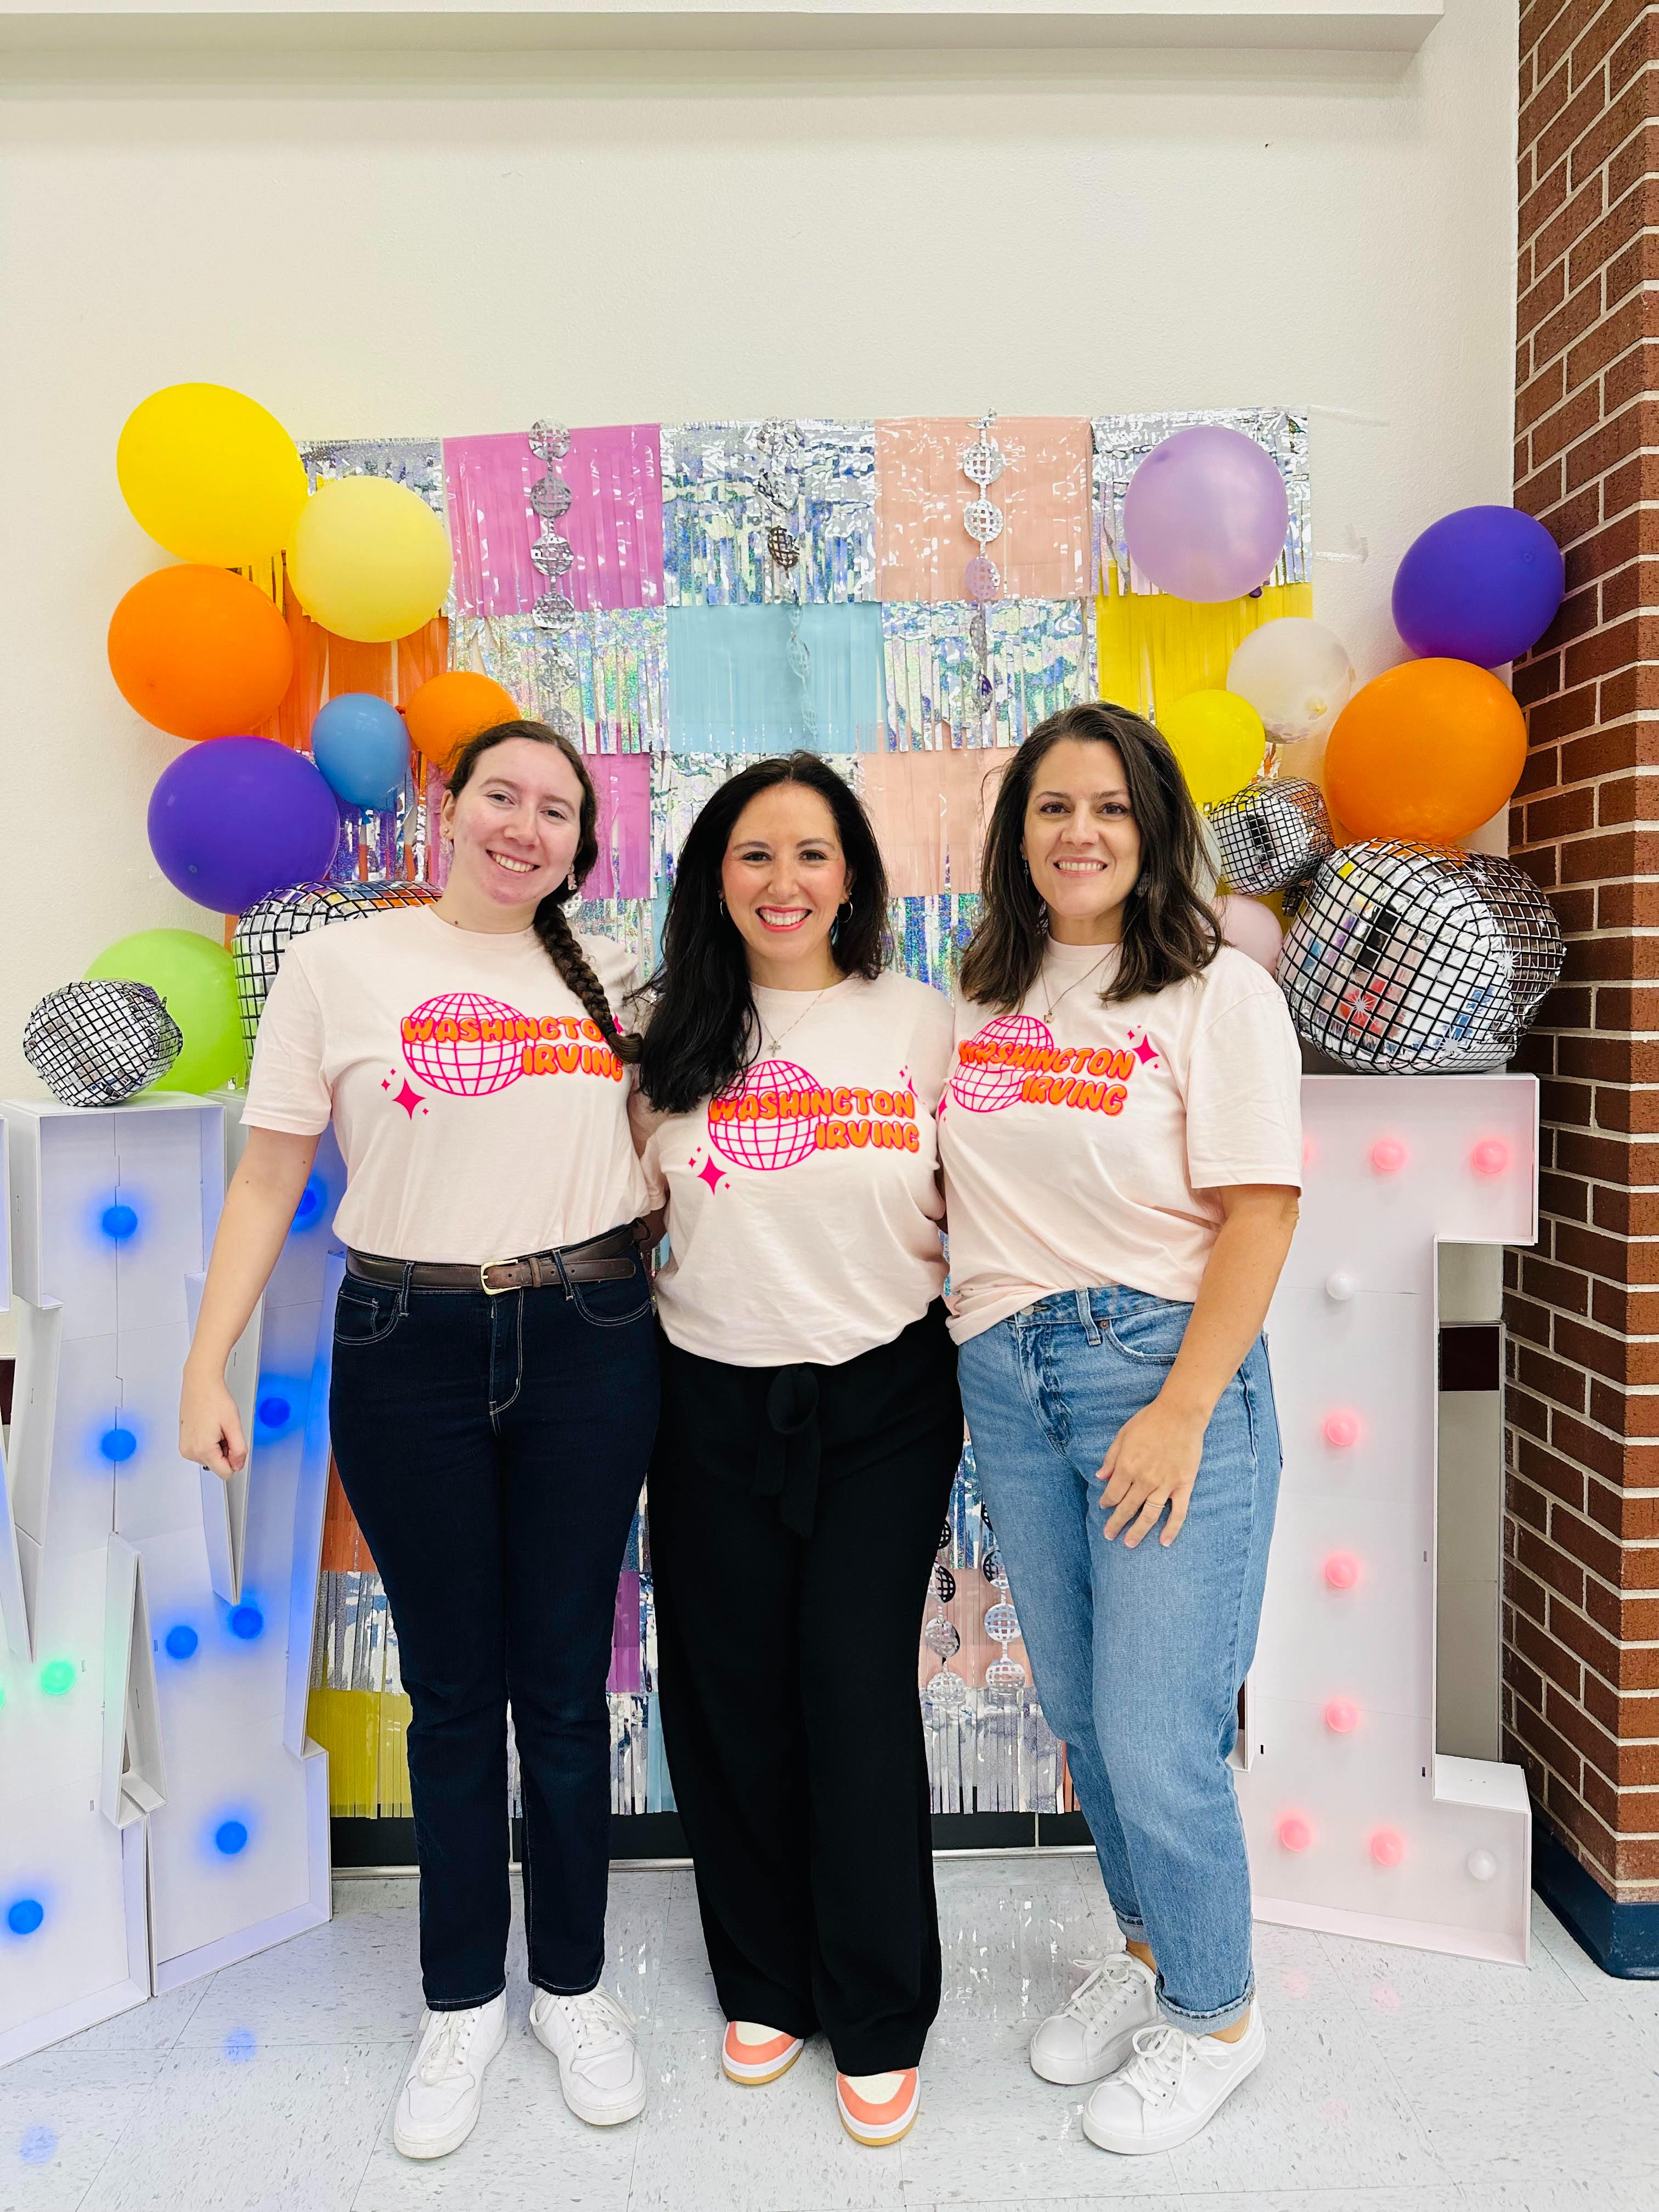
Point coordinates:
[[759, 2057], [878, 2119]]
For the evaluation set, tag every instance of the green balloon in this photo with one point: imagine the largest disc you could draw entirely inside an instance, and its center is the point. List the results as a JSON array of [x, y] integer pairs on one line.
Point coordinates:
[[197, 978]]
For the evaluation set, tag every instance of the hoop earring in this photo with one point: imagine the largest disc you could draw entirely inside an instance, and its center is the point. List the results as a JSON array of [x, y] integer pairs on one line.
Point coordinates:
[[719, 901], [845, 908]]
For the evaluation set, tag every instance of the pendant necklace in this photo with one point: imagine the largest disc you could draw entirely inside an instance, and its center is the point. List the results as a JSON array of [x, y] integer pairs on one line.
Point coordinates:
[[1049, 1003], [770, 1048]]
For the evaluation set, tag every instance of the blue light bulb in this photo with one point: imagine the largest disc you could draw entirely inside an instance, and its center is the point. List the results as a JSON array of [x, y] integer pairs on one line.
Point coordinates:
[[25, 1915], [247, 1621], [274, 1411], [118, 1444], [181, 1642], [311, 1203], [231, 1837], [117, 1222]]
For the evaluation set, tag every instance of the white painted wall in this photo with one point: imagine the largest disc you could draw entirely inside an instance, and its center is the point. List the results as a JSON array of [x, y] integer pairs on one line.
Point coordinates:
[[455, 243]]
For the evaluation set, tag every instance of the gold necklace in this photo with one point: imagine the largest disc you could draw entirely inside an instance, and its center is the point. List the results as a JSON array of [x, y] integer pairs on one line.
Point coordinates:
[[1049, 1003]]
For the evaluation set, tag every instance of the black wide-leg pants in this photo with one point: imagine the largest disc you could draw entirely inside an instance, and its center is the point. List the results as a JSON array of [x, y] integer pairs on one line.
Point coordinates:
[[794, 1516]]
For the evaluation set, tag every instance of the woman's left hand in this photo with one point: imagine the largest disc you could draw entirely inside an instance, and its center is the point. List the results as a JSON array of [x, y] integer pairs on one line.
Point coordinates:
[[1152, 1462]]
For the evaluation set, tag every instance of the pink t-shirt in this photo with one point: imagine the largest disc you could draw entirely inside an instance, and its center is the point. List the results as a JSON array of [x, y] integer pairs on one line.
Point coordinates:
[[803, 1210], [1083, 1144], [479, 1110]]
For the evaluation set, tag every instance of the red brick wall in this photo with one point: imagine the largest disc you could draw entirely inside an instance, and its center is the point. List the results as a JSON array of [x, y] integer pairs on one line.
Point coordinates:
[[1581, 1699]]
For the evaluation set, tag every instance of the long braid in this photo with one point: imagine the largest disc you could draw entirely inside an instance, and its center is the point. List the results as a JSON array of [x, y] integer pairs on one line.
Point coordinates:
[[559, 942]]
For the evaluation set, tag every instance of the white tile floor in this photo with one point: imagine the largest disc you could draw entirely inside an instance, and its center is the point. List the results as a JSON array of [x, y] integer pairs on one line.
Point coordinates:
[[1395, 2081]]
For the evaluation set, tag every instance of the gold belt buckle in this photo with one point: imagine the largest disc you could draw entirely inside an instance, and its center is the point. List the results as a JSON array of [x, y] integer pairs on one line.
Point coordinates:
[[492, 1290]]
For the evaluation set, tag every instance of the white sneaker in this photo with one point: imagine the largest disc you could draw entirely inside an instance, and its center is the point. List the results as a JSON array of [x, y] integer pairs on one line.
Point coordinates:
[[438, 2107], [1170, 2087], [1093, 2035], [600, 2070]]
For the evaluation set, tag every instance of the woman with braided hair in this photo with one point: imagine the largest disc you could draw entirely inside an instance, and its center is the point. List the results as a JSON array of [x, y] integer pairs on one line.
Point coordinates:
[[494, 1380]]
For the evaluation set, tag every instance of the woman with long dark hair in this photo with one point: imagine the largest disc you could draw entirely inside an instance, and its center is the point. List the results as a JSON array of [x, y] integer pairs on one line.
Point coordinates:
[[495, 1381], [1122, 1155], [810, 1431]]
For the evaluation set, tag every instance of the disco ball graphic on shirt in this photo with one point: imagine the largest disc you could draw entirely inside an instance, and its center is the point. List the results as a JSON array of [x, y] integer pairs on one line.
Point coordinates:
[[783, 1142], [988, 1090], [464, 1066]]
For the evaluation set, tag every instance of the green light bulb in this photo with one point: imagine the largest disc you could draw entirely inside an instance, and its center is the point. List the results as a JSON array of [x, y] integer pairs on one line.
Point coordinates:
[[57, 1677]]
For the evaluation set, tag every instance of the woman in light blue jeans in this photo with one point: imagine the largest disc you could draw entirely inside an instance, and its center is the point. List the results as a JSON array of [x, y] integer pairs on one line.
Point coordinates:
[[1122, 1154]]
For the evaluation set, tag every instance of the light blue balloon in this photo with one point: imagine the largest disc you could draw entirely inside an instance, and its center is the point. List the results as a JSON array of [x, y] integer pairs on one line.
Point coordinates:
[[362, 748]]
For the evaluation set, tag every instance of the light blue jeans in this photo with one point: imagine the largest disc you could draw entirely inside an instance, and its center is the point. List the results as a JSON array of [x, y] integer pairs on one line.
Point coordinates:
[[1138, 1655]]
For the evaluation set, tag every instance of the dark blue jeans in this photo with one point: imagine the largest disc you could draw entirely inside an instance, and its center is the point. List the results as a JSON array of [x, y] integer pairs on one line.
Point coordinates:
[[492, 1449]]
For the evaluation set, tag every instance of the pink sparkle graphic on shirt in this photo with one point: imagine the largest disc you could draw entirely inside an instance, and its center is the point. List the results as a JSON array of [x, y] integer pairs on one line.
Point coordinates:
[[408, 1099], [710, 1174], [1146, 1052]]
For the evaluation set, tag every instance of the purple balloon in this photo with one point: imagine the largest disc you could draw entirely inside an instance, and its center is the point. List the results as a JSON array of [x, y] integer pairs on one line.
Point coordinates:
[[1206, 514], [233, 819], [1481, 585]]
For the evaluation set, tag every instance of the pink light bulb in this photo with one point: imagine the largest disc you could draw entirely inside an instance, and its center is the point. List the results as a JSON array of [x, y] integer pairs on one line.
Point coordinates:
[[1490, 1157], [1387, 1156], [1342, 1716], [1342, 1571], [1388, 1847], [1342, 1428], [1294, 1834]]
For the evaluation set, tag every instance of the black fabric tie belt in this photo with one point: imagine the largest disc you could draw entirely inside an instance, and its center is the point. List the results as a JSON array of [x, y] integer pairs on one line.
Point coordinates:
[[787, 1464]]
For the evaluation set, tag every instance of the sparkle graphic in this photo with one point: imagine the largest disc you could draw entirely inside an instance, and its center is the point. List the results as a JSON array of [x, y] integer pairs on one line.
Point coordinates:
[[1146, 1052], [710, 1174], [408, 1099]]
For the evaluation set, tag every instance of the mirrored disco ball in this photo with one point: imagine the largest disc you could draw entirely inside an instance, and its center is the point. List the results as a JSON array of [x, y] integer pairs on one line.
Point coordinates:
[[96, 1043], [267, 929], [1272, 833], [1412, 958]]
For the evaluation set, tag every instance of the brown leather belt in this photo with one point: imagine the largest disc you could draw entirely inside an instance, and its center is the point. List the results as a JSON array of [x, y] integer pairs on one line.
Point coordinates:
[[611, 1258]]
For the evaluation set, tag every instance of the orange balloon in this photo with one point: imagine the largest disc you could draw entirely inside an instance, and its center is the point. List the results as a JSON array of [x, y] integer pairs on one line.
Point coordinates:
[[1428, 751], [449, 709], [200, 653]]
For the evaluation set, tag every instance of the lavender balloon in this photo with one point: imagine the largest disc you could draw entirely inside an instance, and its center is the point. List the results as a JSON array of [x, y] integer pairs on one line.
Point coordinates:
[[1206, 514], [1481, 585], [234, 818]]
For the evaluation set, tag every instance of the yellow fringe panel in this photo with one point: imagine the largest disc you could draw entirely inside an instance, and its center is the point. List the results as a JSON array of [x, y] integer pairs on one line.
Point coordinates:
[[394, 1757], [346, 1722], [1152, 650]]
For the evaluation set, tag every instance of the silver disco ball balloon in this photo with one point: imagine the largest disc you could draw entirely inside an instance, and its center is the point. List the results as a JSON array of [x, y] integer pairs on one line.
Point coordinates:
[[1418, 958], [268, 929], [1273, 833], [96, 1043]]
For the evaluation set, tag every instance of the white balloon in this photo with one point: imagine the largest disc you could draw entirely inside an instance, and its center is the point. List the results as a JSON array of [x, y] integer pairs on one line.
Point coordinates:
[[1252, 928], [1297, 676]]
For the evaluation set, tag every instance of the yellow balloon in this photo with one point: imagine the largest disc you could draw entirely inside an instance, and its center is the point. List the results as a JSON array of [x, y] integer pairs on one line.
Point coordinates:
[[210, 475], [369, 559], [1218, 740]]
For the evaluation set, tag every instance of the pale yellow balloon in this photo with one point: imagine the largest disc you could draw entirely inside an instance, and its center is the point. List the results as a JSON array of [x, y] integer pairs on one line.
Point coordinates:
[[210, 474], [369, 560], [1217, 738]]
